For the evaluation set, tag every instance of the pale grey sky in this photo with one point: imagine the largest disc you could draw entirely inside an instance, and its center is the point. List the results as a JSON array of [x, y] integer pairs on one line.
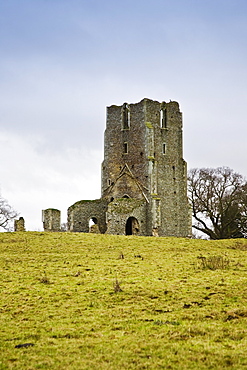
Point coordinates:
[[63, 61]]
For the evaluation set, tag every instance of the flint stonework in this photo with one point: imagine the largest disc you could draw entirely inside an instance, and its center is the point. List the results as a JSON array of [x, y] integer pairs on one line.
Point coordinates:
[[144, 175]]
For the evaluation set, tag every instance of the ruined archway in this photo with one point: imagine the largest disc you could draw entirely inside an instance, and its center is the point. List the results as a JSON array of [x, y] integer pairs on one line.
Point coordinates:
[[93, 225], [132, 226]]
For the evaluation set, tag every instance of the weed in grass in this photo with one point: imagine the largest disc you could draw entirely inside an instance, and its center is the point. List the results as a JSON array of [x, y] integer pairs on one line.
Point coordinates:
[[214, 262], [117, 287], [121, 256], [44, 279], [242, 246]]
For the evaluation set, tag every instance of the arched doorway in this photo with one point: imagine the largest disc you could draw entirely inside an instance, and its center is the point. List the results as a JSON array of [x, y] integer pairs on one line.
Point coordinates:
[[93, 225], [132, 226]]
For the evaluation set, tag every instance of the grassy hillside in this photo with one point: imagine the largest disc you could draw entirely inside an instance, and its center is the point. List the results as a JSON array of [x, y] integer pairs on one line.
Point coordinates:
[[84, 301]]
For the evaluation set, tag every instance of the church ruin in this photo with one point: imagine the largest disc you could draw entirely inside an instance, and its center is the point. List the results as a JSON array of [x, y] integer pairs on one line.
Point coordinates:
[[144, 175], [51, 219]]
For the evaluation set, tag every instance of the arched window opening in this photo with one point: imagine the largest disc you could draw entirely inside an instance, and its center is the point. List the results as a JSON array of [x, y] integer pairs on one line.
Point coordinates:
[[132, 226], [163, 118], [126, 116], [126, 196]]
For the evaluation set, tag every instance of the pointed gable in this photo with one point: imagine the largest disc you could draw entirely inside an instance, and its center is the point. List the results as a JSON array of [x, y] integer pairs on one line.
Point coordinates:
[[126, 185]]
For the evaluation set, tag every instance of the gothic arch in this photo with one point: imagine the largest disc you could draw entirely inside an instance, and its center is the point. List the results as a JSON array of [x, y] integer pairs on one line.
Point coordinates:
[[93, 225], [132, 226]]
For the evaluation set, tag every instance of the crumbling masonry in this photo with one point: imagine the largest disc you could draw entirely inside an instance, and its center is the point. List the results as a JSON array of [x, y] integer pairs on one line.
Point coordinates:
[[144, 175], [19, 225], [51, 219]]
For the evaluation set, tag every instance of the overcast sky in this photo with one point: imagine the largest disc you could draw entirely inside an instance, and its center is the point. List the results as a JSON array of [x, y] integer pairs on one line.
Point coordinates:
[[63, 61]]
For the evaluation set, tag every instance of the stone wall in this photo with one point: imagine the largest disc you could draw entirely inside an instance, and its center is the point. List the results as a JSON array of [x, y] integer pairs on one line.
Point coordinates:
[[80, 213], [19, 225], [51, 219], [120, 211]]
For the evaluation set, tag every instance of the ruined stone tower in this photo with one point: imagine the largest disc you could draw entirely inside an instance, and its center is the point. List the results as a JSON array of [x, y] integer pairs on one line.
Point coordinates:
[[51, 219], [19, 225], [144, 175]]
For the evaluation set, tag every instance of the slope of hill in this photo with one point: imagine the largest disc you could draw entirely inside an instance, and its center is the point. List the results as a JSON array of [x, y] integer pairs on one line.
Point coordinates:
[[85, 301]]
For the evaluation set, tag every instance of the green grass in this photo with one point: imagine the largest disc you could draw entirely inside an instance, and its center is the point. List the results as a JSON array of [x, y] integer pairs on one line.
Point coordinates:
[[113, 302]]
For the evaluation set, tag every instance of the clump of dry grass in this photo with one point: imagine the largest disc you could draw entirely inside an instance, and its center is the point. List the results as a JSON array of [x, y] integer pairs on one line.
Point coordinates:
[[44, 279], [214, 262], [117, 287], [242, 246], [121, 256]]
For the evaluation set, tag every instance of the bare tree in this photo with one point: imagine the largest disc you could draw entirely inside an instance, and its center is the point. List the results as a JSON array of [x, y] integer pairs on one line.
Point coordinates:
[[243, 210], [218, 200], [7, 214]]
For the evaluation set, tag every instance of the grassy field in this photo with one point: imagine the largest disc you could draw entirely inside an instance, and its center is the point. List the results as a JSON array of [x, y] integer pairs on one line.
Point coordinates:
[[85, 301]]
